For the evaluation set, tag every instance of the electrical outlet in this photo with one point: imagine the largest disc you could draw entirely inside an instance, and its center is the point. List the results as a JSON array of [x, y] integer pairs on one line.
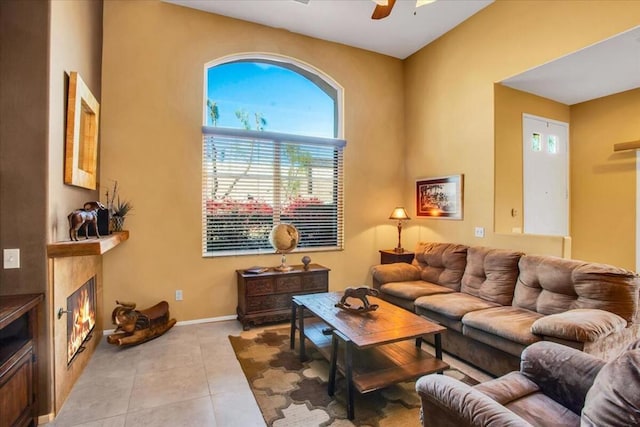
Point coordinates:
[[479, 232], [179, 295], [11, 258]]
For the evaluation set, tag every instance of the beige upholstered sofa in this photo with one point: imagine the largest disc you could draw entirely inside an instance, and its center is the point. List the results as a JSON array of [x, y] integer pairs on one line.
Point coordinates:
[[555, 386], [496, 302]]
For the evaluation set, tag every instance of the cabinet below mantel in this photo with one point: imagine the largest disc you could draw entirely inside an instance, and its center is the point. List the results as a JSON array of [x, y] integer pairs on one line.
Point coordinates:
[[90, 246]]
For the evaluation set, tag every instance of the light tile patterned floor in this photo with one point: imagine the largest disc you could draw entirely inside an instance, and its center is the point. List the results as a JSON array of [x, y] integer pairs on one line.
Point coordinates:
[[187, 377]]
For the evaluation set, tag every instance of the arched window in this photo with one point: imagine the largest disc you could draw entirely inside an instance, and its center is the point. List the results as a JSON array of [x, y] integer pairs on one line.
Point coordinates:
[[270, 155]]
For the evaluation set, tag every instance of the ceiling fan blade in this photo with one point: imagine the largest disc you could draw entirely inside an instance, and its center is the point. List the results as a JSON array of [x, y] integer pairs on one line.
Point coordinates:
[[383, 11]]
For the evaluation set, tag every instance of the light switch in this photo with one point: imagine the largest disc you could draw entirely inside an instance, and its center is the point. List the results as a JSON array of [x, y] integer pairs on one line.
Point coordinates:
[[11, 258], [479, 232]]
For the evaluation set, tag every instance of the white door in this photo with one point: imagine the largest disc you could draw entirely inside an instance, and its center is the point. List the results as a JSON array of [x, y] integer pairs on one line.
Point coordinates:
[[545, 176]]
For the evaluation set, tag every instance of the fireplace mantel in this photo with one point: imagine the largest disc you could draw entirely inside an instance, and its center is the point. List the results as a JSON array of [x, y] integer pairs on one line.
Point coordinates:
[[91, 246]]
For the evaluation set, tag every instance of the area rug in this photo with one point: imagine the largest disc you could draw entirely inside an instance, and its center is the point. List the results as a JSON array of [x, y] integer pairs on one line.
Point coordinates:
[[293, 393]]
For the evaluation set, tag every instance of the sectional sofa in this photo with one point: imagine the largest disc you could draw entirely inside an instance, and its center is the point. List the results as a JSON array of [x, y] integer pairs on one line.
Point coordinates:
[[496, 302]]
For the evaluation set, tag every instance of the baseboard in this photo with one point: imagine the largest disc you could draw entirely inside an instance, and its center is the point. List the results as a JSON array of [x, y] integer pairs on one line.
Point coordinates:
[[190, 322], [45, 419], [207, 320]]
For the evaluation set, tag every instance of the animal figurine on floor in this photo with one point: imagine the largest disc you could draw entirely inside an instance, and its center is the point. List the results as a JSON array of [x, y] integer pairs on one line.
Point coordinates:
[[86, 216], [360, 293], [137, 326]]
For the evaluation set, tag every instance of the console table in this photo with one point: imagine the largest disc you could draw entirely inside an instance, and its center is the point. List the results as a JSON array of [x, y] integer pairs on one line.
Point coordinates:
[[266, 297], [18, 357]]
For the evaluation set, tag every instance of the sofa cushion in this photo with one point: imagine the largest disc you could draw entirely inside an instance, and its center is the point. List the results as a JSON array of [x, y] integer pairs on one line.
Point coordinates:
[[511, 323], [508, 387], [522, 396], [441, 263], [395, 272], [434, 316], [491, 274], [551, 285], [541, 410], [412, 289], [449, 402], [614, 400], [579, 325], [453, 305], [495, 342]]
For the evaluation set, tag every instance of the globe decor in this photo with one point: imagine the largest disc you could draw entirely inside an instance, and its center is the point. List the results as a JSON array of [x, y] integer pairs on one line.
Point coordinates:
[[284, 239]]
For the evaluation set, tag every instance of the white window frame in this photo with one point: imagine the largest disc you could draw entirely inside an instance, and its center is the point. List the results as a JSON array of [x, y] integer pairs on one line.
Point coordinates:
[[267, 137]]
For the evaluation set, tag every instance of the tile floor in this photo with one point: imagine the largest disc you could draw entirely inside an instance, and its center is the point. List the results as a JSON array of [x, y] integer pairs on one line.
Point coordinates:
[[188, 377]]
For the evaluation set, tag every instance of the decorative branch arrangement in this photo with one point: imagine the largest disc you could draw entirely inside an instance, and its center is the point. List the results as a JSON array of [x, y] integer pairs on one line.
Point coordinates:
[[118, 209]]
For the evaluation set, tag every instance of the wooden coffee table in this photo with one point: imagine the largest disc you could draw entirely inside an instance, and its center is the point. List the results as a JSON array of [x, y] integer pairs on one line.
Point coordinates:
[[381, 348]]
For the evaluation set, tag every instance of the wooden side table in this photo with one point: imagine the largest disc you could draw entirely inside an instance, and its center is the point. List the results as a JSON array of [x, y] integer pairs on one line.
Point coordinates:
[[389, 256], [266, 297]]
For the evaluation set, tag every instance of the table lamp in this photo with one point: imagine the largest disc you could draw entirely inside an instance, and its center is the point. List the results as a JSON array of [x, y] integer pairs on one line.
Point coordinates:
[[400, 214]]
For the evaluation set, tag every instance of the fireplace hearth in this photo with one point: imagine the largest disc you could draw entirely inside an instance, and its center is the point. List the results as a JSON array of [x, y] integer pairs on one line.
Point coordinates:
[[81, 318]]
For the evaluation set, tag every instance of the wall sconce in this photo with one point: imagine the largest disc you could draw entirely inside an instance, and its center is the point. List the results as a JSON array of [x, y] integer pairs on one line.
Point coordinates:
[[400, 214]]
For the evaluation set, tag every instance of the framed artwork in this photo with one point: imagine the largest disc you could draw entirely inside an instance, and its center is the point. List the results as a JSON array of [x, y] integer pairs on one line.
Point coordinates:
[[440, 197], [81, 144]]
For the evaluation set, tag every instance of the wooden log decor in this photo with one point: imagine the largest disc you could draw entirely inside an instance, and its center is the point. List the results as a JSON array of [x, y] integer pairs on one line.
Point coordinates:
[[360, 294], [137, 326]]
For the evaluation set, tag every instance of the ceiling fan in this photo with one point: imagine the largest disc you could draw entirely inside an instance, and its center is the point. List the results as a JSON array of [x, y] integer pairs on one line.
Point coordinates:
[[383, 7]]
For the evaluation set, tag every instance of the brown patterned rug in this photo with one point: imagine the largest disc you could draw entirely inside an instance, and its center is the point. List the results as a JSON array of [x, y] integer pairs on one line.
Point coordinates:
[[293, 393]]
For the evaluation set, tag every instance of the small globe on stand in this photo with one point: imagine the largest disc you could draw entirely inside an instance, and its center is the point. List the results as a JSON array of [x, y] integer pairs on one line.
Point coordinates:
[[284, 239]]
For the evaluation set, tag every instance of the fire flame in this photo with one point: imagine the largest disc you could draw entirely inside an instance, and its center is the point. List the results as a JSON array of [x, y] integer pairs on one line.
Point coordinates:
[[84, 319]]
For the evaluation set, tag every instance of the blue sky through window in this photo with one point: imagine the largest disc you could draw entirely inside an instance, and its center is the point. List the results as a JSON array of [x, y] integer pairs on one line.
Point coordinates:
[[290, 102]]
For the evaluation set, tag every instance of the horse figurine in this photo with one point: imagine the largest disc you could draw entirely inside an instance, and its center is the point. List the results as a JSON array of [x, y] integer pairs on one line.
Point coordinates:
[[87, 215], [137, 326], [361, 294]]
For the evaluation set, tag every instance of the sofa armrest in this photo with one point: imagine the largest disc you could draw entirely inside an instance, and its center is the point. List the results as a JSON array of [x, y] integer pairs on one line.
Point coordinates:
[[396, 272], [562, 373], [580, 325], [449, 402]]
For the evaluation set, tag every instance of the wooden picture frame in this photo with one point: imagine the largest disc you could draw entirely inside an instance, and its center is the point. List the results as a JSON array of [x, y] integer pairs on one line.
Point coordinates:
[[440, 197], [81, 145]]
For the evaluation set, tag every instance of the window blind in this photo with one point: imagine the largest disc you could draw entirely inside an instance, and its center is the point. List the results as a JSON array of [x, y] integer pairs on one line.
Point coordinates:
[[253, 180]]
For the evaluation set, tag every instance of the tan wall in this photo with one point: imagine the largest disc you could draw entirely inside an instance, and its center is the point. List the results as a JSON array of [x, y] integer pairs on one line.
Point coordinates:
[[603, 183], [152, 109], [23, 142], [449, 99], [509, 105], [75, 45], [23, 158]]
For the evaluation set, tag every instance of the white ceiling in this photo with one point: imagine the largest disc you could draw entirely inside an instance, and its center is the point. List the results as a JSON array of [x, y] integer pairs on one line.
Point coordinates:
[[608, 67], [349, 21], [605, 68]]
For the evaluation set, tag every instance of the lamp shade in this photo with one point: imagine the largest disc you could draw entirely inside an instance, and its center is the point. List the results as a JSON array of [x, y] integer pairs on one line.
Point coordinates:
[[399, 213]]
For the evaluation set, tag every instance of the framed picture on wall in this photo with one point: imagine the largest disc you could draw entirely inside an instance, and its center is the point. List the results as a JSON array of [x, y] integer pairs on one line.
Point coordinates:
[[440, 197], [81, 144]]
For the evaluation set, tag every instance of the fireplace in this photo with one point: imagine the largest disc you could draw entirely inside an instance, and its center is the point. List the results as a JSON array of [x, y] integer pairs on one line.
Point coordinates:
[[81, 318]]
